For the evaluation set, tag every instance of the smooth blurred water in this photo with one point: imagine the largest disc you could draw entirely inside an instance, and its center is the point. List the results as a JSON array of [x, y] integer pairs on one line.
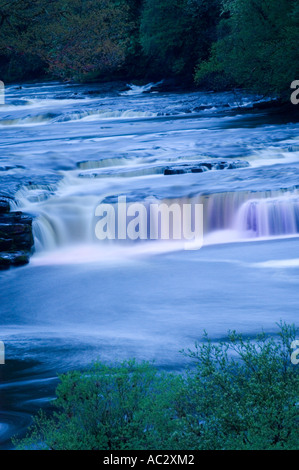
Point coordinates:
[[65, 148]]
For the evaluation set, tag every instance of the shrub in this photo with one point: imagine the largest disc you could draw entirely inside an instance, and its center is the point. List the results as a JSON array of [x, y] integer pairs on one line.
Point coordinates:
[[118, 407], [241, 394], [244, 394]]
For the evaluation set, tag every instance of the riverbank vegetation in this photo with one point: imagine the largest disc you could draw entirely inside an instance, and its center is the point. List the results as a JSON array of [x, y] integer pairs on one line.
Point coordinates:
[[239, 394], [218, 44]]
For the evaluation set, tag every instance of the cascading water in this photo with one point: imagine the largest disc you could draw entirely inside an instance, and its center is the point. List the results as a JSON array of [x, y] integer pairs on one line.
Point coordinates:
[[61, 221], [253, 215], [66, 223], [138, 90], [270, 217], [68, 220]]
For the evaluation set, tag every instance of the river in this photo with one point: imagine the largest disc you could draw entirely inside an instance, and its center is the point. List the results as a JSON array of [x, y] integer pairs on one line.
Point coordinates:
[[64, 149]]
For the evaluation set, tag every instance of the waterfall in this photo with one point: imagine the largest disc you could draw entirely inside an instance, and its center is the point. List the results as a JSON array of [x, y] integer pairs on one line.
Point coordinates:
[[269, 217], [65, 222], [69, 219], [252, 215]]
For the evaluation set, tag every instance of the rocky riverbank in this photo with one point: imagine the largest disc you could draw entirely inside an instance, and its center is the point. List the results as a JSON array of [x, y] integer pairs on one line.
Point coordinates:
[[16, 238]]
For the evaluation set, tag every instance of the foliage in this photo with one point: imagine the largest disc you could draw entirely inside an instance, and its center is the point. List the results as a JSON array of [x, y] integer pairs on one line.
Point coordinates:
[[257, 45], [175, 34], [244, 394], [241, 394], [72, 38], [120, 407]]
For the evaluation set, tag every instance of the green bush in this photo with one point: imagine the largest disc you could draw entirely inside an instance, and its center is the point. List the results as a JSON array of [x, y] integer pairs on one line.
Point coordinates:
[[244, 394], [118, 407], [240, 394]]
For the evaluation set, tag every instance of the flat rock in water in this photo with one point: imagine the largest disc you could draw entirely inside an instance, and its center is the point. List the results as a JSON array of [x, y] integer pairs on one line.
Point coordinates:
[[205, 166]]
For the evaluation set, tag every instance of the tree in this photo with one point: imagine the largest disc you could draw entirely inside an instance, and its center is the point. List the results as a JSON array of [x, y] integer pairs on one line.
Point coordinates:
[[73, 38], [175, 34], [257, 45]]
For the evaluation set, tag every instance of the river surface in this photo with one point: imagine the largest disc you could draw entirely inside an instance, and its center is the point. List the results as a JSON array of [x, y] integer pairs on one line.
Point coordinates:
[[66, 148]]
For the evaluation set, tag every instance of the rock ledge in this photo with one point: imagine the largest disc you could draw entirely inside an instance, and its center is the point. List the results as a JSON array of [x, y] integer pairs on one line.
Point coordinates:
[[16, 238]]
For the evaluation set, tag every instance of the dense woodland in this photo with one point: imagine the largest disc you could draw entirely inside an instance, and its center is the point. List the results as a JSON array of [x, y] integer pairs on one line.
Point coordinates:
[[217, 44]]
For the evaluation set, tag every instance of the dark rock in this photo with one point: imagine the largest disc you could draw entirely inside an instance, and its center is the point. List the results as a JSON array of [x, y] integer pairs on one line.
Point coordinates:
[[197, 170], [6, 244], [16, 239], [93, 92], [16, 217], [220, 166], [4, 206], [175, 171], [5, 261], [15, 229], [20, 259], [204, 166]]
